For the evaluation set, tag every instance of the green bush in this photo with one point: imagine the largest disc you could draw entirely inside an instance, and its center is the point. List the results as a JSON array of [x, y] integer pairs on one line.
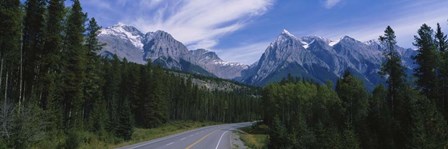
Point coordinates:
[[73, 140]]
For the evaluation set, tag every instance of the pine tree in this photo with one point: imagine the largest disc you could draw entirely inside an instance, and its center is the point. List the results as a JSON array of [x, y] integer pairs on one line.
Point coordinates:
[[51, 52], [157, 106], [427, 61], [354, 98], [10, 52], [427, 126], [441, 39], [10, 27], [92, 82], [124, 119], [378, 121], [124, 128], [33, 41], [144, 116], [110, 92], [278, 135], [392, 67], [75, 56], [442, 46]]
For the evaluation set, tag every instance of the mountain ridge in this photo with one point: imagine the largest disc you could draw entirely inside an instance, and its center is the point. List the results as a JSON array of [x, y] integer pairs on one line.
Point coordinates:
[[163, 49], [309, 57], [320, 59]]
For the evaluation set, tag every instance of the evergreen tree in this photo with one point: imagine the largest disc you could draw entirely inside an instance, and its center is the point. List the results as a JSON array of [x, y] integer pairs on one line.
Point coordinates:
[[124, 120], [92, 43], [442, 46], [10, 53], [278, 135], [124, 128], [427, 61], [51, 53], [110, 92], [441, 39], [354, 98], [33, 41], [10, 31], [93, 80], [75, 56], [157, 105], [378, 121], [392, 68], [427, 128]]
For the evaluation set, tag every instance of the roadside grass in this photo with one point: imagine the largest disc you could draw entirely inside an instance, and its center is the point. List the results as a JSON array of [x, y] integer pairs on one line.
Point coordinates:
[[88, 140], [255, 137]]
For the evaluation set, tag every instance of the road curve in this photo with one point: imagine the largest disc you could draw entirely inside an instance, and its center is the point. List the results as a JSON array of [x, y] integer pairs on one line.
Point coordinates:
[[210, 137]]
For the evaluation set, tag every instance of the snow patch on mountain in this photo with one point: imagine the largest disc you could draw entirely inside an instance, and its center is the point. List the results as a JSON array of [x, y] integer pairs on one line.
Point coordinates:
[[126, 33], [161, 48], [320, 59]]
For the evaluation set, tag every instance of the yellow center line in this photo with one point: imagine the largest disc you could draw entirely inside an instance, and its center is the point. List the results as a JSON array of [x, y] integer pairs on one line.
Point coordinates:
[[191, 145]]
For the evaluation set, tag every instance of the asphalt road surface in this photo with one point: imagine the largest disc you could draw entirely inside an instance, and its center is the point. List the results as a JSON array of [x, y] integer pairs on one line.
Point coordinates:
[[210, 137]]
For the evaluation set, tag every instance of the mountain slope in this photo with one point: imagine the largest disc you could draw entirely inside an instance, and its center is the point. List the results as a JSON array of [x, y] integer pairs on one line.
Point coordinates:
[[320, 60], [162, 49], [310, 57]]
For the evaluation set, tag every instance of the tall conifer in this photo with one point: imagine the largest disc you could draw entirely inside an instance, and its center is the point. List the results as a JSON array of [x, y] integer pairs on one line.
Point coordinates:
[[427, 61], [75, 56]]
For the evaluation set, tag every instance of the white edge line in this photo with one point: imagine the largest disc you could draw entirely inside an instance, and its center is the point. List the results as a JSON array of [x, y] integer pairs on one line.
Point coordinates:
[[217, 145], [169, 143], [164, 138]]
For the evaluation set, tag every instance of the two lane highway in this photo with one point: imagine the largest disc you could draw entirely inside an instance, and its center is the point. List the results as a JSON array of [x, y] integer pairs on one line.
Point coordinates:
[[211, 137]]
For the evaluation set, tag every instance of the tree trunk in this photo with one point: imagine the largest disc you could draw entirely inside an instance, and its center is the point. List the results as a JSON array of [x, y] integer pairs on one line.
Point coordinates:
[[21, 79], [1, 73], [5, 111], [6, 88]]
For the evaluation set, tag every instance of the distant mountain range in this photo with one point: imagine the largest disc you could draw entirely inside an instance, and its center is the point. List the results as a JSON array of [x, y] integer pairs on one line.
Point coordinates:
[[320, 59], [311, 57], [161, 48]]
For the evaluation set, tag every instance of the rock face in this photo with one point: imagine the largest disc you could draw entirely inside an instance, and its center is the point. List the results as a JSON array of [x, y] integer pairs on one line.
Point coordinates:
[[310, 57], [320, 60], [124, 41], [211, 62], [161, 48]]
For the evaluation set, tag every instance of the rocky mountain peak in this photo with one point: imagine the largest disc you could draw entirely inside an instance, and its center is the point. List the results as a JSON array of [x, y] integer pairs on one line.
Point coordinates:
[[318, 59], [287, 33], [163, 49]]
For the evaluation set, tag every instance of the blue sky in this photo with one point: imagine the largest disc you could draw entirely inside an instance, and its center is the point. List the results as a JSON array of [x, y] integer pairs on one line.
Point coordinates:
[[240, 30]]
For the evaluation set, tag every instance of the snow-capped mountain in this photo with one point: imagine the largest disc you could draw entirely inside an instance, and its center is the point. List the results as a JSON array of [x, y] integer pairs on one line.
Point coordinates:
[[211, 62], [161, 48], [124, 41], [320, 60], [310, 57]]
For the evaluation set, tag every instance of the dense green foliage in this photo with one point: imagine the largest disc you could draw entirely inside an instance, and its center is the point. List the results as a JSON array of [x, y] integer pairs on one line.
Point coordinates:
[[301, 114], [442, 50], [54, 86], [426, 59]]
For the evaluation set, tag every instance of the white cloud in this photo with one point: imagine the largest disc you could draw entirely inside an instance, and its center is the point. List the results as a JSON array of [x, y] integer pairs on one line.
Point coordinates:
[[247, 54], [198, 22], [331, 3], [405, 26]]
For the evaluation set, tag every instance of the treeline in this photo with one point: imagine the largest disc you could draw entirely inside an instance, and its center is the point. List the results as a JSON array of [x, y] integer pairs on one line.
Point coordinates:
[[301, 114], [147, 96], [53, 84]]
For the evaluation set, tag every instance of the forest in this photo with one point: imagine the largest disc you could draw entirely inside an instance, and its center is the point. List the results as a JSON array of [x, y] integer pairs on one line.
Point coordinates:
[[400, 114], [53, 83]]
